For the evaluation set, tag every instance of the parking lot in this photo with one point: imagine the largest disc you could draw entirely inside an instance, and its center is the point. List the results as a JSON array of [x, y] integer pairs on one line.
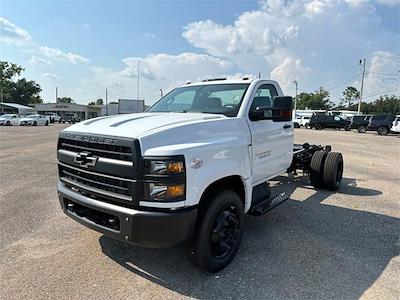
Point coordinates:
[[318, 244]]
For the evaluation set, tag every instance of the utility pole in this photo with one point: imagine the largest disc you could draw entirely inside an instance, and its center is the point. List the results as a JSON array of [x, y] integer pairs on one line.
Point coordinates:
[[161, 92], [259, 75], [362, 62], [138, 75], [295, 99], [56, 94], [106, 102]]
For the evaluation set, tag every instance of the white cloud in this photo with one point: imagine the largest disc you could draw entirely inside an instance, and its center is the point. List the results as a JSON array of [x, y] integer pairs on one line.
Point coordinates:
[[149, 35], [11, 34], [50, 76], [59, 55], [35, 60], [287, 72], [304, 39]]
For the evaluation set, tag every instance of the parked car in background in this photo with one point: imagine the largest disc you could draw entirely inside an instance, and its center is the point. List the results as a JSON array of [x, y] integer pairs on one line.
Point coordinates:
[[9, 119], [71, 118], [382, 124], [396, 125], [319, 121], [297, 121], [53, 117], [360, 123], [305, 121], [34, 120]]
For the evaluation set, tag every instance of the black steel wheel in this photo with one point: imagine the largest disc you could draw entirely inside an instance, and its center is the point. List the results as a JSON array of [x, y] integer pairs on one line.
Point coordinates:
[[317, 168], [333, 171], [218, 233], [382, 130], [362, 129]]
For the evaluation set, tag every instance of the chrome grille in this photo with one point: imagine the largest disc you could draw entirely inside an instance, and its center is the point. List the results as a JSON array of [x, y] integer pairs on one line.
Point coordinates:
[[111, 174], [102, 150]]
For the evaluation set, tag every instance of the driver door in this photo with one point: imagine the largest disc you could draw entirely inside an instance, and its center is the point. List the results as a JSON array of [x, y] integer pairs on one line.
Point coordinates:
[[272, 142]]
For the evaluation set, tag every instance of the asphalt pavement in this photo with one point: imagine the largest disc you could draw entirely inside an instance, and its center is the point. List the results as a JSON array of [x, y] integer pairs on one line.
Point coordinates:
[[318, 244]]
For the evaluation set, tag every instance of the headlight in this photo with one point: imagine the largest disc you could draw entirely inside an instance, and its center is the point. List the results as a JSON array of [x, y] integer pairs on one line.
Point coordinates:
[[164, 178], [164, 167], [160, 191]]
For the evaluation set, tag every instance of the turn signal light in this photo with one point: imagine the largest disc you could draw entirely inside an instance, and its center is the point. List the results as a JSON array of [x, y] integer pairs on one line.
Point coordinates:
[[175, 167], [175, 191]]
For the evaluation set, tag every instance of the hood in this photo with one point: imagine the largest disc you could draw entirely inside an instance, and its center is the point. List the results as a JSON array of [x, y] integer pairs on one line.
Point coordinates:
[[139, 124]]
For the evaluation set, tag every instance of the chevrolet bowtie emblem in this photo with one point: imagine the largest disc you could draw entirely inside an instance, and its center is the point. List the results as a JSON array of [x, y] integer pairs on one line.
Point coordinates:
[[85, 160]]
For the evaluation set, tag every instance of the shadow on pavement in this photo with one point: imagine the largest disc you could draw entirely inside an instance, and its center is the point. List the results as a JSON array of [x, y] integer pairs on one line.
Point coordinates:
[[302, 249]]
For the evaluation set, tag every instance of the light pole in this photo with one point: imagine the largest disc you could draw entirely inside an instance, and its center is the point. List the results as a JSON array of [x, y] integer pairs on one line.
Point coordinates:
[[161, 92], [362, 62], [295, 99]]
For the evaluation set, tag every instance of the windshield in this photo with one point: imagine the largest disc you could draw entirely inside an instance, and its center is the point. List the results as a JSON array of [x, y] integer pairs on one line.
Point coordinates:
[[5, 116], [216, 99], [32, 116]]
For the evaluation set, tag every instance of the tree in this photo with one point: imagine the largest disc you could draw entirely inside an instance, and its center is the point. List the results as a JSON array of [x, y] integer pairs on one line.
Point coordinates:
[[92, 103], [99, 101], [25, 92], [65, 100], [350, 95], [113, 102], [21, 91], [319, 99]]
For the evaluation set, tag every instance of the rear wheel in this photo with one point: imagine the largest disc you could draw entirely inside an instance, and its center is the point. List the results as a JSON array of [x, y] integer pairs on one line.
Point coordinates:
[[362, 129], [47, 123], [8, 123], [347, 127], [318, 126], [333, 170], [317, 168], [35, 123], [219, 232], [382, 130]]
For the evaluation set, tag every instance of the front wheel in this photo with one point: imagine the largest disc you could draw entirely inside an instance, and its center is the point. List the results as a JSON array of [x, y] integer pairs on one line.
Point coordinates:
[[218, 233], [382, 130], [362, 129], [47, 123], [318, 126], [347, 127], [8, 123], [35, 123]]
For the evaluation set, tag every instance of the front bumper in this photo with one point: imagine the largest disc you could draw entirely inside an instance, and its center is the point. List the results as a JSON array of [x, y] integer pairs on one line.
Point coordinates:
[[153, 229]]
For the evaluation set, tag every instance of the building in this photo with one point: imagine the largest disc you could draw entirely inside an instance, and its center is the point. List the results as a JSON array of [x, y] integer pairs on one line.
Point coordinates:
[[83, 111], [15, 108], [124, 106]]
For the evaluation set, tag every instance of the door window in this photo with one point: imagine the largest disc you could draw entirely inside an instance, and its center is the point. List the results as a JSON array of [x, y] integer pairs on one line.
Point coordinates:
[[264, 96]]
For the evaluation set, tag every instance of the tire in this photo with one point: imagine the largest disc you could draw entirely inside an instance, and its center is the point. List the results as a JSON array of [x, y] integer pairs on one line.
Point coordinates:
[[8, 123], [296, 125], [382, 130], [35, 123], [218, 232], [307, 125], [59, 121], [347, 127], [333, 171], [47, 123], [317, 168], [318, 126], [362, 129]]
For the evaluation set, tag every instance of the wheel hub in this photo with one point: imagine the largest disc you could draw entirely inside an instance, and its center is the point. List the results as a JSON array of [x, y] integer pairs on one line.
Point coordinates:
[[225, 233]]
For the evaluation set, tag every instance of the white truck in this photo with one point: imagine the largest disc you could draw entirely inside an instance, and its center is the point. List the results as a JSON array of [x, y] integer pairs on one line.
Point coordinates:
[[189, 168]]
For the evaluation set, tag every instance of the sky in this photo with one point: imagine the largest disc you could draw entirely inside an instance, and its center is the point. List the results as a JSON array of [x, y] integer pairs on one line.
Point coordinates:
[[84, 47]]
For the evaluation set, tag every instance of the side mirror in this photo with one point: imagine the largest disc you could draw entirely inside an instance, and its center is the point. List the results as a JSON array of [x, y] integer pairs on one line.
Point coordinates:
[[281, 111]]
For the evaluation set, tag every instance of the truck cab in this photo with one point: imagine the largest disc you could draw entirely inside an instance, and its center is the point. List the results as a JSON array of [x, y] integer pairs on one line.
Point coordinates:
[[186, 170]]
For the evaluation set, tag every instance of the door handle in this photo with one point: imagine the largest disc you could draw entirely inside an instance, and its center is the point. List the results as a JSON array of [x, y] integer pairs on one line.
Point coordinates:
[[287, 126]]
